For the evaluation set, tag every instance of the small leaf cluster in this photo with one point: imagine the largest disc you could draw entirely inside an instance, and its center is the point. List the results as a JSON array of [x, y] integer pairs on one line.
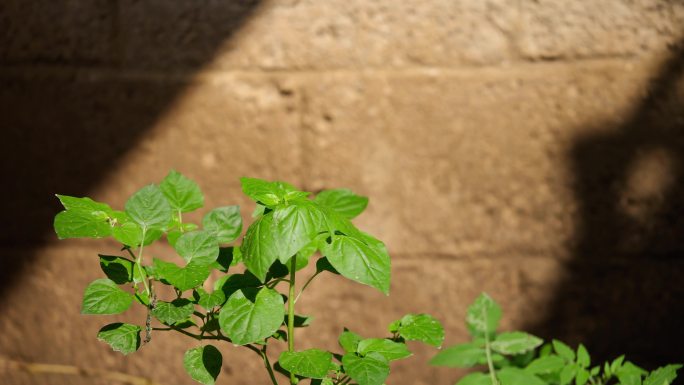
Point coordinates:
[[519, 358], [364, 361], [242, 306]]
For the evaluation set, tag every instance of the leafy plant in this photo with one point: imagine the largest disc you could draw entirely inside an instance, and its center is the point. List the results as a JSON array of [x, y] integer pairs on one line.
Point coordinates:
[[244, 308], [519, 358]]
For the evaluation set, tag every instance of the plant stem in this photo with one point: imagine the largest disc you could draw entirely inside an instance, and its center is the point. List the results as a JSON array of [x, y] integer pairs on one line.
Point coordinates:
[[305, 286], [139, 260], [291, 313], [219, 337], [130, 252], [267, 364], [488, 350]]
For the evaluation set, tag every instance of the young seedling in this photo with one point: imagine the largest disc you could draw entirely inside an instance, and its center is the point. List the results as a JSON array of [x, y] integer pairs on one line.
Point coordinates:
[[519, 358], [244, 308]]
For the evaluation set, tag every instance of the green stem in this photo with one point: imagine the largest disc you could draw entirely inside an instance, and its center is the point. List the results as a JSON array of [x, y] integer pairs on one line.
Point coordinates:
[[195, 336], [276, 281], [305, 286], [488, 350], [261, 352], [139, 260], [130, 252], [267, 364], [291, 313]]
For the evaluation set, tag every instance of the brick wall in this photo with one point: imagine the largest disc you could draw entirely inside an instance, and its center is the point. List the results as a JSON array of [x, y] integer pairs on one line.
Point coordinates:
[[530, 149]]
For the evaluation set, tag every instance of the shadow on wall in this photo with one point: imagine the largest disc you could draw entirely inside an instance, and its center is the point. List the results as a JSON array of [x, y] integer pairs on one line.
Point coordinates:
[[74, 97], [623, 292]]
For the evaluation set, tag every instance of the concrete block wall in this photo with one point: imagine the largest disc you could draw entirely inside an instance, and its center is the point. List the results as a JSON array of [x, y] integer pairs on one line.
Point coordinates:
[[532, 149]]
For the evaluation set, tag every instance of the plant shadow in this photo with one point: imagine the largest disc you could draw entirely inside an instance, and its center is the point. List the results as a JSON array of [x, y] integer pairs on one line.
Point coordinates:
[[76, 98], [621, 292]]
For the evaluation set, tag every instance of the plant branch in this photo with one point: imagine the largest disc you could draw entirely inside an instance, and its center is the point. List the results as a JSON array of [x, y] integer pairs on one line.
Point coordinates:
[[291, 313], [130, 252], [488, 350], [306, 284], [139, 260], [267, 364], [273, 283]]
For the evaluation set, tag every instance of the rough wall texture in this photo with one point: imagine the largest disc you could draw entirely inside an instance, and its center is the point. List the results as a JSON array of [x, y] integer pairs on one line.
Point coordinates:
[[530, 149]]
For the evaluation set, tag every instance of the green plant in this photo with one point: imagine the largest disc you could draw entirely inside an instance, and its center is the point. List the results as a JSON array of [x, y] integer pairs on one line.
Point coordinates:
[[244, 308], [519, 358]]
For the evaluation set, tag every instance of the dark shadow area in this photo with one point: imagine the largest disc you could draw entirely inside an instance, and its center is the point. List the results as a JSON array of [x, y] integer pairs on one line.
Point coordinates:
[[623, 292], [76, 95]]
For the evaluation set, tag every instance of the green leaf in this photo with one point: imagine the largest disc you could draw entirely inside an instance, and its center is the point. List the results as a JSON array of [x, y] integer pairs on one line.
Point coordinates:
[[177, 310], [102, 296], [311, 363], [387, 348], [616, 364], [581, 377], [259, 250], [118, 269], [663, 375], [563, 350], [182, 193], [269, 193], [130, 233], [203, 364], [305, 253], [149, 208], [372, 369], [545, 365], [294, 227], [343, 201], [546, 349], [475, 379], [583, 359], [349, 341], [394, 326], [515, 343], [225, 223], [85, 203], [258, 211], [210, 300], [460, 356], [629, 378], [78, 223], [359, 261], [124, 338], [246, 319], [199, 247], [516, 376], [83, 217], [182, 278], [630, 374], [172, 236], [279, 234], [422, 327], [483, 316], [568, 373]]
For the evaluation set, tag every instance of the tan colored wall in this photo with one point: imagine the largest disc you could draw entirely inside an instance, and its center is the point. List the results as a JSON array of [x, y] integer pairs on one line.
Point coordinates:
[[530, 149]]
